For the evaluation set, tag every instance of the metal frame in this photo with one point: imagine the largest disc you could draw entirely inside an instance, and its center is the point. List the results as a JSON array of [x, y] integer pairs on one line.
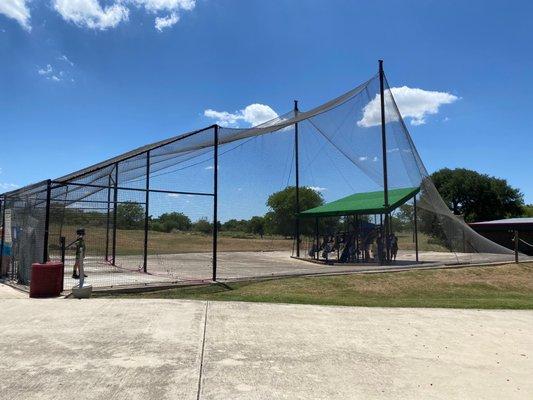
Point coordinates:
[[297, 179], [384, 151], [215, 203]]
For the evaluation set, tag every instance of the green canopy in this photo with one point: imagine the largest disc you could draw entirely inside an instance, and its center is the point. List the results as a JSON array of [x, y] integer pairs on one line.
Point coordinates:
[[363, 203]]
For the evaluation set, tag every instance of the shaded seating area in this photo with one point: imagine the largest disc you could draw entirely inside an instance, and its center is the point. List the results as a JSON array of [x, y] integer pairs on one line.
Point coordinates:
[[357, 228]]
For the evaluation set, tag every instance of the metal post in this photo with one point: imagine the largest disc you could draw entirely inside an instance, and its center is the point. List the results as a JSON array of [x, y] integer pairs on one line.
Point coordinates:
[[146, 211], [3, 208], [47, 220], [215, 204], [115, 200], [317, 256], [62, 242], [516, 243], [416, 228], [108, 219], [297, 174], [384, 151]]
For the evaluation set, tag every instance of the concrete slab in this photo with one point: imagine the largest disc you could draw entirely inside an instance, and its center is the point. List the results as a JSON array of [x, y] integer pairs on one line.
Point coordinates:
[[152, 349], [168, 268], [7, 292], [259, 351], [100, 349]]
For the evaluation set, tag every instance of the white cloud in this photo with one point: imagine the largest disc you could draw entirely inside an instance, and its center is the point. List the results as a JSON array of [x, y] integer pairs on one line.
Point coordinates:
[[317, 188], [363, 158], [166, 22], [6, 187], [174, 195], [65, 59], [46, 70], [17, 10], [254, 114], [209, 167], [90, 14], [415, 104], [49, 73]]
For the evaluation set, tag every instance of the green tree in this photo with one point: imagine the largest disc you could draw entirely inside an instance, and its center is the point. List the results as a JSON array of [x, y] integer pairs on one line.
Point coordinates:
[[130, 215], [203, 225], [235, 225], [478, 197], [528, 211], [282, 216], [168, 222], [256, 225]]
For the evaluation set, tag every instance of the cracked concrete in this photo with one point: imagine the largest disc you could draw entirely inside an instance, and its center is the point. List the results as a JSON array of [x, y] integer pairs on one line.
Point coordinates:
[[151, 349]]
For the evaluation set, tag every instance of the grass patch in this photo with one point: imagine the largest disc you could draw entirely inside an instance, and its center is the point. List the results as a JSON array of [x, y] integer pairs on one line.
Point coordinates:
[[498, 287]]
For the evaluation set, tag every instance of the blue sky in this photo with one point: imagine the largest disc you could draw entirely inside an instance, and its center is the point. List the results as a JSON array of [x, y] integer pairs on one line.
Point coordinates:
[[80, 85]]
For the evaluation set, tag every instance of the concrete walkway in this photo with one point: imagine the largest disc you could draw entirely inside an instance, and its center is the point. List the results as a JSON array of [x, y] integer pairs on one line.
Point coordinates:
[[174, 349]]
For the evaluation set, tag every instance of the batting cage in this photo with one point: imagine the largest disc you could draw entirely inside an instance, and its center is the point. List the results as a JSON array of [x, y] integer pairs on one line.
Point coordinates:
[[340, 187]]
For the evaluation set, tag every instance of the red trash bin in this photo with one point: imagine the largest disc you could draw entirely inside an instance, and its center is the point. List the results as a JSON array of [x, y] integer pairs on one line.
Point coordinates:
[[46, 279]]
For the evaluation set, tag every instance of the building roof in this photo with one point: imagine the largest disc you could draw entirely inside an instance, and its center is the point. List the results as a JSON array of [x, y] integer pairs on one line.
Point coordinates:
[[363, 203], [504, 223]]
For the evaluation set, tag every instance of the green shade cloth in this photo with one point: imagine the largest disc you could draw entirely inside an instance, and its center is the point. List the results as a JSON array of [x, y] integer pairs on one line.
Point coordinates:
[[363, 203]]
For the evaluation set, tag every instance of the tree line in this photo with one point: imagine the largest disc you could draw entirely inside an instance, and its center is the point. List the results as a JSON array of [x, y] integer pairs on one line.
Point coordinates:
[[474, 196]]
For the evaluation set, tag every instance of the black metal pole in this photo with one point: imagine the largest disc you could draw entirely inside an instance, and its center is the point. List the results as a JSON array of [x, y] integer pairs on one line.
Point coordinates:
[[3, 208], [516, 243], [47, 220], [115, 200], [62, 242], [108, 218], [416, 228], [146, 212], [215, 204], [297, 174], [384, 152], [317, 256]]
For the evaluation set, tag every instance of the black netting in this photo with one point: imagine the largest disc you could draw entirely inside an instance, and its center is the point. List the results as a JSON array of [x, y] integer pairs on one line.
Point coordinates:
[[149, 214]]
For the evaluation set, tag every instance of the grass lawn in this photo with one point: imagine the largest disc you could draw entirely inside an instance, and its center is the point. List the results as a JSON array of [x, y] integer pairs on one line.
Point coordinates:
[[508, 287]]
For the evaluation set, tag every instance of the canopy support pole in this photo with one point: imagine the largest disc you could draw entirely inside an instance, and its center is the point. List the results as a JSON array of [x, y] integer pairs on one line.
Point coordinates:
[[416, 228], [146, 213], [317, 254], [384, 152], [297, 175], [215, 203]]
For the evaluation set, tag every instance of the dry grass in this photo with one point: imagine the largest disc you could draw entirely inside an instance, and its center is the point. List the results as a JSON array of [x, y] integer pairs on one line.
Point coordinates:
[[507, 286], [130, 242]]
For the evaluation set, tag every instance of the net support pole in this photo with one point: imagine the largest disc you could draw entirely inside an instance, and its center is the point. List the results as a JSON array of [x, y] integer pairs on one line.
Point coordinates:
[[384, 153], [2, 237], [416, 227], [115, 200], [516, 243], [47, 220], [297, 177], [146, 213], [215, 203], [108, 218]]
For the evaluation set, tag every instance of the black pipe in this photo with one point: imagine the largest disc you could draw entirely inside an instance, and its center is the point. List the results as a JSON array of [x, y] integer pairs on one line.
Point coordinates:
[[297, 174], [416, 228], [115, 199], [47, 220], [134, 189], [146, 212], [215, 204], [317, 239], [384, 152], [108, 218]]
